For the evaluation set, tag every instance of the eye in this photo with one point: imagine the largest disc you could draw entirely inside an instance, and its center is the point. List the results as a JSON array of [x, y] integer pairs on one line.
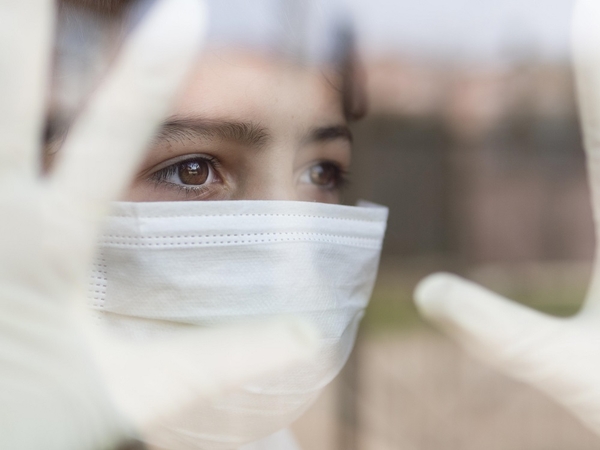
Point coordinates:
[[191, 173], [195, 172], [325, 175]]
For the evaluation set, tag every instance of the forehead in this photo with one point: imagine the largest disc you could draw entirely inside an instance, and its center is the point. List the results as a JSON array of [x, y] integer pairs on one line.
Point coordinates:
[[234, 84]]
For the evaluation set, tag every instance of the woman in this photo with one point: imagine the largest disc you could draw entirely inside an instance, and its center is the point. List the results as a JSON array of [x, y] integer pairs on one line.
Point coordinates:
[[265, 128]]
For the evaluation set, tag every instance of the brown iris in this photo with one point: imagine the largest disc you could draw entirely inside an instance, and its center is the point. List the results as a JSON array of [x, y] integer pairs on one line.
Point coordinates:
[[324, 174], [193, 172]]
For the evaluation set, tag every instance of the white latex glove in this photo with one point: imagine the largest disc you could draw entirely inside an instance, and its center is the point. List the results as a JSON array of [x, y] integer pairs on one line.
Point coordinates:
[[62, 385], [559, 356]]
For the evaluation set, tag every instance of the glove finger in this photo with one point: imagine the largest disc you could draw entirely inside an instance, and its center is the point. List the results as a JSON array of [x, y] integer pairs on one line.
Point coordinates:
[[497, 330], [556, 356], [106, 142], [26, 35], [586, 62], [150, 380]]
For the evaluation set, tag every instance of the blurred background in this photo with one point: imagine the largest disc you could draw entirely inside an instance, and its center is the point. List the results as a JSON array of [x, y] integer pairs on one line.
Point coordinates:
[[472, 140]]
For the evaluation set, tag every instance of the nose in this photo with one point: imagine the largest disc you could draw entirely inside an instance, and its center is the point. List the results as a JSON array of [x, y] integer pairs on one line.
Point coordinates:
[[269, 177], [273, 189]]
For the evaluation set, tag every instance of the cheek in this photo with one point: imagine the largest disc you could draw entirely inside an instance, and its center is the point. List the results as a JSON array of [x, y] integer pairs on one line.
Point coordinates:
[[141, 191], [307, 193]]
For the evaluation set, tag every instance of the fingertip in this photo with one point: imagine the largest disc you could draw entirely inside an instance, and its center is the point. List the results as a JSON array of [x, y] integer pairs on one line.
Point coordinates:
[[432, 292]]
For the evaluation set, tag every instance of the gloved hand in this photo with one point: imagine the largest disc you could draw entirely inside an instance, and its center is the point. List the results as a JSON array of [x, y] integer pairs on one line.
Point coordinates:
[[64, 385], [561, 357]]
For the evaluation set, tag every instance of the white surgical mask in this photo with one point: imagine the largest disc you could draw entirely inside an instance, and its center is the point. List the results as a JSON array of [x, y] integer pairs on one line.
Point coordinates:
[[163, 266]]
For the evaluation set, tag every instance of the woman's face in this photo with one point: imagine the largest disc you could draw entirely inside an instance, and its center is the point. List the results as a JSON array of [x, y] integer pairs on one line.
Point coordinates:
[[248, 127]]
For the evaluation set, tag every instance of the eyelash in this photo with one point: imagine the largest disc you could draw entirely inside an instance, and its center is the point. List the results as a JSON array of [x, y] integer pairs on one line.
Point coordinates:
[[160, 177], [343, 177]]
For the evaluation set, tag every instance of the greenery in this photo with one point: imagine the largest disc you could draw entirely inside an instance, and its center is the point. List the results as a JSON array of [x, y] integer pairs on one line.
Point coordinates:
[[392, 308]]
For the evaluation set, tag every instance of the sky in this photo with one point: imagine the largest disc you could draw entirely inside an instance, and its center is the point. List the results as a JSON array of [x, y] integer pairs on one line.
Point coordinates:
[[466, 29]]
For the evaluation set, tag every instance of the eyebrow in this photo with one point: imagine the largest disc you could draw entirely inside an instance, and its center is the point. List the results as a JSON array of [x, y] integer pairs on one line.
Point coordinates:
[[246, 133], [330, 133]]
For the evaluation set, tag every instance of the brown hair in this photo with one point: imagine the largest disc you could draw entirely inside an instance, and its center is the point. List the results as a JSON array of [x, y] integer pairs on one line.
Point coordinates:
[[353, 83], [104, 7]]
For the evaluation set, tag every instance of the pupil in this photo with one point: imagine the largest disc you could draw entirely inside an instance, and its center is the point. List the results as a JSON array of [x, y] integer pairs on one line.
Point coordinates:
[[193, 172], [323, 174]]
